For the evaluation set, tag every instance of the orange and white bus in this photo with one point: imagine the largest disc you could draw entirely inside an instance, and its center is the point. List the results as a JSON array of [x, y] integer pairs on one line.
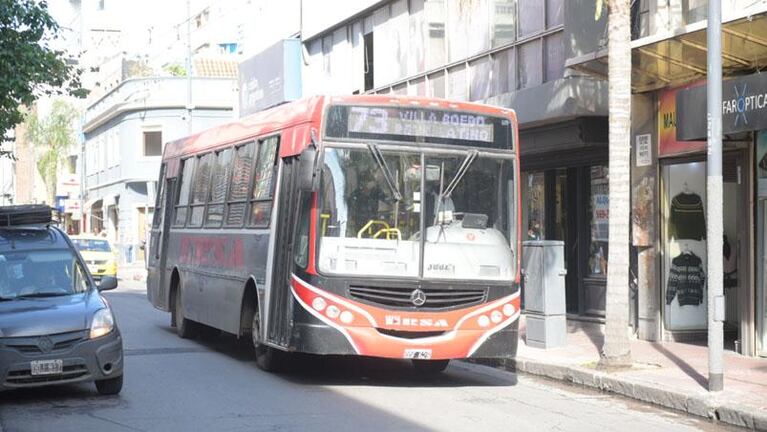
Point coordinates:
[[362, 225]]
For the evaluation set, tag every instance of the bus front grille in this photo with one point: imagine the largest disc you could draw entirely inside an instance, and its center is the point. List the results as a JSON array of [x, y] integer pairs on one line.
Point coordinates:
[[436, 298]]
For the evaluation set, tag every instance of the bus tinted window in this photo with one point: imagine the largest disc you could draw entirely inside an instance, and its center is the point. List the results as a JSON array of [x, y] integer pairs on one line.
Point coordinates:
[[222, 169], [240, 185], [187, 169], [263, 183], [200, 190]]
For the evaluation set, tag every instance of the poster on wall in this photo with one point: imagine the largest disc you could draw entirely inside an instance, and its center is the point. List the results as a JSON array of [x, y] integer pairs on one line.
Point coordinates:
[[643, 212], [685, 266]]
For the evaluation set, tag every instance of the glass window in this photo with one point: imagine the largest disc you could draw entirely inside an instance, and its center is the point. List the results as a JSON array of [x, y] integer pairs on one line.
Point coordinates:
[[263, 183], [534, 202], [555, 57], [301, 247], [152, 143], [530, 64], [504, 72], [530, 17], [599, 213], [456, 83], [222, 169], [40, 273], [364, 229], [480, 79], [91, 245], [200, 189], [437, 85], [554, 12], [240, 185], [187, 169], [435, 33], [503, 22], [457, 30], [159, 199]]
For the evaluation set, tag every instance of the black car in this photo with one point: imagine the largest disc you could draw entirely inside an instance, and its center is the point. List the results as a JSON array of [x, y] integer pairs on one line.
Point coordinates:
[[55, 327]]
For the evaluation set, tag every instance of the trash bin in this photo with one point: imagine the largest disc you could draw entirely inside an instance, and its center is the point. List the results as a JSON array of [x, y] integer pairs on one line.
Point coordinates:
[[543, 266]]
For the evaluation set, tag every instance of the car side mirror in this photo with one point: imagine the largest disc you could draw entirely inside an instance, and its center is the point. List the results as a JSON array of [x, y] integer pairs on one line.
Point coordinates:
[[107, 283], [308, 178]]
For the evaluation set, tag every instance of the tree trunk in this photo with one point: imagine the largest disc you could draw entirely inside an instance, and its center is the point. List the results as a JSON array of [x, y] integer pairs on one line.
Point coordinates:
[[616, 351]]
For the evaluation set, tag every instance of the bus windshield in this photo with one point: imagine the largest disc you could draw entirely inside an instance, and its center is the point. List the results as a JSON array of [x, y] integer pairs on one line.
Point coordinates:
[[373, 206]]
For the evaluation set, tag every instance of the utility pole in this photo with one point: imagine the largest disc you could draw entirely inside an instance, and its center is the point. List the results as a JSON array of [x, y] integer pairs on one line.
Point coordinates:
[[189, 66], [714, 198]]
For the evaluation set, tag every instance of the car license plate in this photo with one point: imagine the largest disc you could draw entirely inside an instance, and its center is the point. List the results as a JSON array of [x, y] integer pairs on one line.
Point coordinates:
[[418, 354], [47, 367]]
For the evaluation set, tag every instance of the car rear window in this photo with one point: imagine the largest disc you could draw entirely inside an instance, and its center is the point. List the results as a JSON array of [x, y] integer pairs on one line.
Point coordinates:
[[92, 245]]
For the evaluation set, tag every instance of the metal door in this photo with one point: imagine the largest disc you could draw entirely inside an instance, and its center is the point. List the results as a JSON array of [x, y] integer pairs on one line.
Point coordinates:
[[157, 275]]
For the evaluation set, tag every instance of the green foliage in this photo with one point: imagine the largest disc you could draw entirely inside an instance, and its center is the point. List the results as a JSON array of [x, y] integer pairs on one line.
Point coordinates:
[[175, 69], [29, 68], [52, 137]]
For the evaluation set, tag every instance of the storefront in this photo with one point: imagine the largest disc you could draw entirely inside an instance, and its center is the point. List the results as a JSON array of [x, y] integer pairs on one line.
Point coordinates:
[[565, 197], [682, 271]]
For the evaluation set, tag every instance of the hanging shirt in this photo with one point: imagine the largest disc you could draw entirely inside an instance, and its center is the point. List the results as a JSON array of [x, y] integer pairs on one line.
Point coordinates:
[[686, 220]]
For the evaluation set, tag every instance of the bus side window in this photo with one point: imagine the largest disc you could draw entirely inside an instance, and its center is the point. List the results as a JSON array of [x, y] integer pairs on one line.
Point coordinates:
[[301, 242], [263, 182], [187, 169], [159, 198]]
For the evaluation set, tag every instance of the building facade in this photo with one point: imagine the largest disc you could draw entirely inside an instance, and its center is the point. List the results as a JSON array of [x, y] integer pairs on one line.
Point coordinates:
[[124, 134], [510, 53], [669, 169]]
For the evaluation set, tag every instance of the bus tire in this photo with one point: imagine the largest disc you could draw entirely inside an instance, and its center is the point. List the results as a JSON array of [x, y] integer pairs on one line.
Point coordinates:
[[430, 367], [268, 358], [185, 328]]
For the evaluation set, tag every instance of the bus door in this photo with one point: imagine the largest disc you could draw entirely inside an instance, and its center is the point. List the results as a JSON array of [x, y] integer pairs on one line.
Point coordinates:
[[278, 325], [157, 276]]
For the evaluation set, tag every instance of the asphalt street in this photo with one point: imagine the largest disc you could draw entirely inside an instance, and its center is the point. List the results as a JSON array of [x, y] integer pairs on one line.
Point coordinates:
[[212, 384]]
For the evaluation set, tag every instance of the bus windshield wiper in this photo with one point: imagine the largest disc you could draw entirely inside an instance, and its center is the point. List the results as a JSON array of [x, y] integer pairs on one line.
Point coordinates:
[[462, 170], [379, 158]]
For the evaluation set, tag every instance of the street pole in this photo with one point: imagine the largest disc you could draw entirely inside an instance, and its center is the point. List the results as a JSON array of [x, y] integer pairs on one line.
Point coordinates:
[[189, 66], [714, 198]]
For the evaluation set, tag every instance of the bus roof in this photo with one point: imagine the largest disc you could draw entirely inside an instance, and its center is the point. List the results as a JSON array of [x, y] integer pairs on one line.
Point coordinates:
[[303, 116]]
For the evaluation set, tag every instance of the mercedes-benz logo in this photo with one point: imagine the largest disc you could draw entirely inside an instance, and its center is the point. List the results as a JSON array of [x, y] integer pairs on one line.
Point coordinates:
[[45, 344], [418, 297]]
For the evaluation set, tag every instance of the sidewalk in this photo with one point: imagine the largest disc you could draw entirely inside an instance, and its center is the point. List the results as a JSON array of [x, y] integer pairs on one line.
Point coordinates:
[[672, 375], [134, 271]]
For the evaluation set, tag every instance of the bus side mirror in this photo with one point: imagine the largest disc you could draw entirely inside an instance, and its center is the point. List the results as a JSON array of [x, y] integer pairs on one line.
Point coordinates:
[[308, 177]]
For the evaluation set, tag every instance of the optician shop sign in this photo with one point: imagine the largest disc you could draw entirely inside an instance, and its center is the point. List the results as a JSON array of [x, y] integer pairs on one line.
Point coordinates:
[[744, 107]]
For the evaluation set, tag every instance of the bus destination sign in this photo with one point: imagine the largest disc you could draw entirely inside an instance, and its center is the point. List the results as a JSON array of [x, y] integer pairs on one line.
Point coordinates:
[[418, 124]]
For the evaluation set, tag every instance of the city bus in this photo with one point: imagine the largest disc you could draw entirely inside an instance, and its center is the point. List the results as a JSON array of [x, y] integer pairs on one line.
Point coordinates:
[[370, 225]]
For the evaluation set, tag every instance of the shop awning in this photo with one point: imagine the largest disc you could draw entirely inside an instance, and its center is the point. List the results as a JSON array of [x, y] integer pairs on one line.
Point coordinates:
[[671, 60]]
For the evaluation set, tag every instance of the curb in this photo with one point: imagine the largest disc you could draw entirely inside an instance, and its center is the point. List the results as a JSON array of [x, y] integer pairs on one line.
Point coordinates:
[[698, 405]]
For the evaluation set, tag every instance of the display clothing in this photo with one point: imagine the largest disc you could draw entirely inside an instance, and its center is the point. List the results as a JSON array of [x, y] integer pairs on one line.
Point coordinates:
[[686, 280], [686, 220]]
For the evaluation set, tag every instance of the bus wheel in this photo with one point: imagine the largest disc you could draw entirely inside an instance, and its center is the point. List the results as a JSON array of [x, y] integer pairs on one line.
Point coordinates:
[[184, 327], [430, 367], [267, 358]]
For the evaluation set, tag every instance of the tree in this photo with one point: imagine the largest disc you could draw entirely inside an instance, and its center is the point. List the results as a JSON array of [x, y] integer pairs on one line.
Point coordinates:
[[29, 67], [51, 138], [616, 351]]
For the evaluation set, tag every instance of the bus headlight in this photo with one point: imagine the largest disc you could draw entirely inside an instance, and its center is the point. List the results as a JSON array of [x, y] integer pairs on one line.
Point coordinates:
[[102, 324]]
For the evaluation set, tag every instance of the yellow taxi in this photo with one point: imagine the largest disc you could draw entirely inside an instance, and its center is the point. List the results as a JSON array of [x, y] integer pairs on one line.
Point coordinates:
[[98, 254]]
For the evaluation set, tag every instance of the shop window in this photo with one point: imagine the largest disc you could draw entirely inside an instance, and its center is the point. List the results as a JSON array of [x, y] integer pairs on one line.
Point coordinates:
[[200, 189], [263, 183], [152, 143], [187, 169], [503, 22], [555, 57], [239, 186], [531, 18], [222, 170], [599, 212], [530, 64], [534, 205]]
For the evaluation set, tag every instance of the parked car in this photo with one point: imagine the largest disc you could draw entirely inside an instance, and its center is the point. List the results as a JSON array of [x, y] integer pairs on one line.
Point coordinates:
[[55, 327], [98, 254]]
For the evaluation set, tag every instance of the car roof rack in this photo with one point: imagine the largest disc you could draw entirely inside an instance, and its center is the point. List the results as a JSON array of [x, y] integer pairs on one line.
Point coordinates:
[[28, 215]]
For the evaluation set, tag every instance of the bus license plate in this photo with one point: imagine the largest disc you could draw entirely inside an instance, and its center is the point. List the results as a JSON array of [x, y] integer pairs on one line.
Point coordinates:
[[47, 367], [418, 354]]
